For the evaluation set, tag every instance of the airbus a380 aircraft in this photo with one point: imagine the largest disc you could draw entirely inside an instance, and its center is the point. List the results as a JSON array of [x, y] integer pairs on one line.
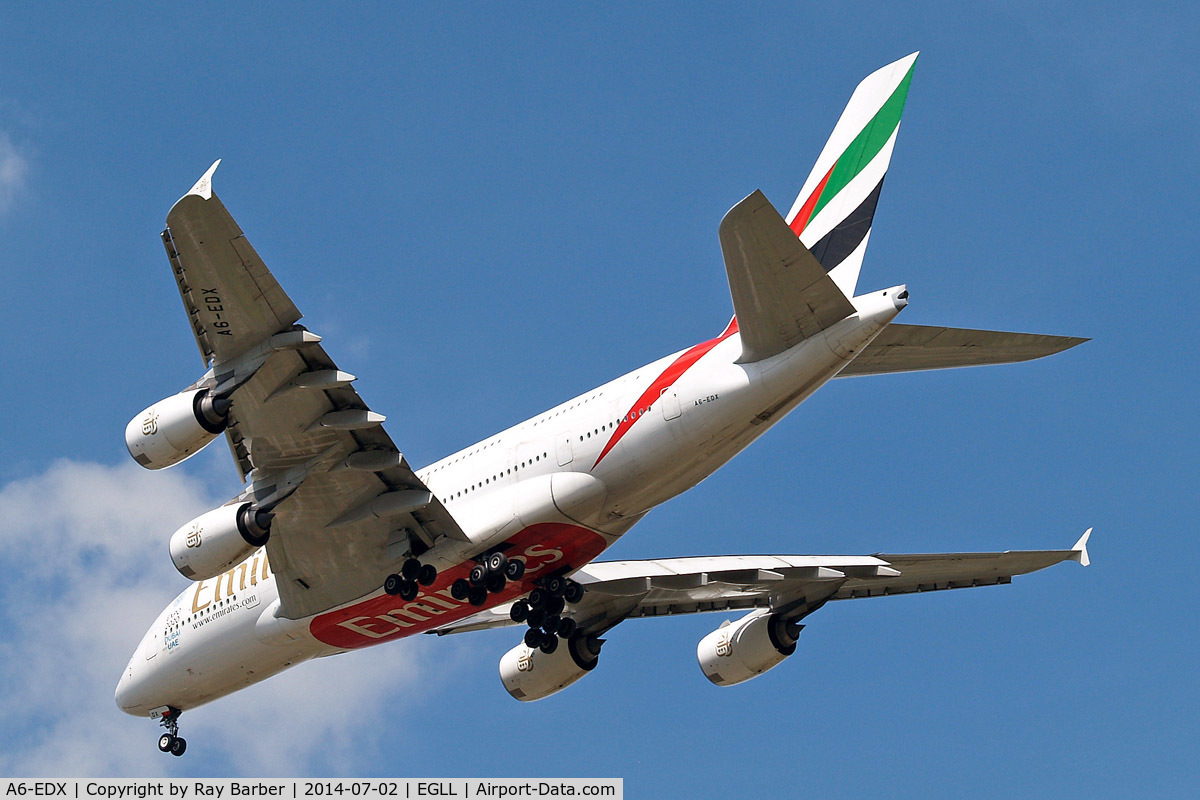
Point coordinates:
[[336, 543]]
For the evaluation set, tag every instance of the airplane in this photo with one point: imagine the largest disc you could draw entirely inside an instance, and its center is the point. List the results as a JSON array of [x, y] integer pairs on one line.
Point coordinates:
[[336, 543]]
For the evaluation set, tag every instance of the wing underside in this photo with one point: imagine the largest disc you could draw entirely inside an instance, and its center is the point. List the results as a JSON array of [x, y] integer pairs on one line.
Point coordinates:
[[348, 507]]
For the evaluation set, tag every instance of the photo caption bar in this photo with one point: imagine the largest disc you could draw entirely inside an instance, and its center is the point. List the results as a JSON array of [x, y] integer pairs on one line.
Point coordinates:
[[302, 789]]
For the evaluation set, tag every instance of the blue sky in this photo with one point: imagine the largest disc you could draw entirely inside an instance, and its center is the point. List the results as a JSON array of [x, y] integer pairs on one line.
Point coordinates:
[[488, 210]]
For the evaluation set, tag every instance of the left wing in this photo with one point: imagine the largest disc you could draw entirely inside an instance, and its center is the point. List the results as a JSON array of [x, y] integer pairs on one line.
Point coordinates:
[[347, 505], [795, 585]]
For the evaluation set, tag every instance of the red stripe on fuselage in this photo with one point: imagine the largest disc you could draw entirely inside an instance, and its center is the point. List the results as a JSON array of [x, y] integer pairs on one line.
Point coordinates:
[[664, 381], [801, 219]]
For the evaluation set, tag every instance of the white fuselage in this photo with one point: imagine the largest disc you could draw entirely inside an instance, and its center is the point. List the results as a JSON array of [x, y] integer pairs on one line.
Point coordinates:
[[599, 461]]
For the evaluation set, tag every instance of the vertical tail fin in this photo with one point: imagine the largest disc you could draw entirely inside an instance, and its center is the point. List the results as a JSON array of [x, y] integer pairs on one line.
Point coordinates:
[[833, 213]]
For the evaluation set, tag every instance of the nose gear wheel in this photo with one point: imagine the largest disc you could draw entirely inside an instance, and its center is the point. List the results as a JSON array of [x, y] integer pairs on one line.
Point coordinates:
[[171, 742]]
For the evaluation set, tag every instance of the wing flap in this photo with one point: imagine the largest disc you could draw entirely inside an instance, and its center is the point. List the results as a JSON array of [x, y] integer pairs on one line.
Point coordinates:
[[781, 293], [908, 348]]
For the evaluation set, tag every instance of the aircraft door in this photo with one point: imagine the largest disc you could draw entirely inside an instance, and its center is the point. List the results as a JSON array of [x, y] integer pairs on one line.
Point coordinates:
[[669, 401], [151, 645], [563, 448]]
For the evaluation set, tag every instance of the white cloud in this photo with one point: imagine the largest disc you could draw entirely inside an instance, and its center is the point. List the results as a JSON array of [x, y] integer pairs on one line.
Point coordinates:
[[83, 551], [14, 168]]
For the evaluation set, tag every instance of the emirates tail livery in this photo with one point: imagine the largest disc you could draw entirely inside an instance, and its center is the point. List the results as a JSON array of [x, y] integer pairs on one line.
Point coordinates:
[[337, 543]]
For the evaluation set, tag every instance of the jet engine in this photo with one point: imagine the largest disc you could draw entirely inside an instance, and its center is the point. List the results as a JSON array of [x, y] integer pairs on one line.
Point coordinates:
[[219, 539], [177, 428], [533, 674], [741, 650]]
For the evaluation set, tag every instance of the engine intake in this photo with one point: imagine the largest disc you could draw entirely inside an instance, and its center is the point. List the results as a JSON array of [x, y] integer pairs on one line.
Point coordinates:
[[739, 651], [218, 540], [530, 675], [175, 429]]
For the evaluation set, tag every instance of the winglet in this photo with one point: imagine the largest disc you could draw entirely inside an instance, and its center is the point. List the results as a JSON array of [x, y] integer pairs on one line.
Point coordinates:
[[203, 187], [1079, 551]]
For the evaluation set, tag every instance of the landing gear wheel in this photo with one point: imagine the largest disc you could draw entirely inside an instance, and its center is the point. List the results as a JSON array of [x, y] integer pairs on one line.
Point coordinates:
[[410, 569], [533, 638], [477, 596], [495, 582], [549, 644], [567, 627], [496, 563], [392, 584], [514, 569], [408, 590], [519, 611], [555, 586], [555, 605], [460, 589], [538, 598], [427, 574], [550, 625], [478, 574], [535, 617], [165, 742], [573, 593], [179, 746]]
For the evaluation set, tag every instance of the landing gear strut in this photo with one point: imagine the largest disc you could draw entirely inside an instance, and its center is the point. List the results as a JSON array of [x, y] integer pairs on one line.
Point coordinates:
[[405, 583], [171, 742]]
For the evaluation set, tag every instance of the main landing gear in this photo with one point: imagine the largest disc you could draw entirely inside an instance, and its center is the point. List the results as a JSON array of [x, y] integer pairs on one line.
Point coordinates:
[[491, 574], [542, 612], [171, 742], [412, 573]]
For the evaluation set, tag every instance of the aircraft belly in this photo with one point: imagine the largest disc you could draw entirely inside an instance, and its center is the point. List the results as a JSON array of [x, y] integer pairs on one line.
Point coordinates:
[[545, 547]]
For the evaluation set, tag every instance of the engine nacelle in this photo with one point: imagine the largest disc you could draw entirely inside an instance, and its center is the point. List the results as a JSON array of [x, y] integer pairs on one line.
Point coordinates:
[[739, 651], [177, 428], [531, 674], [218, 540]]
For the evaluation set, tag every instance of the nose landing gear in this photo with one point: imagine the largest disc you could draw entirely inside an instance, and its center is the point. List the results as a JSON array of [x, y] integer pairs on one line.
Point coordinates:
[[171, 742]]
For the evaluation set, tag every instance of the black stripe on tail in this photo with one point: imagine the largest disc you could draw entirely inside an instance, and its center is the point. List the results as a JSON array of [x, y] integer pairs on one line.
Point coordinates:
[[849, 233]]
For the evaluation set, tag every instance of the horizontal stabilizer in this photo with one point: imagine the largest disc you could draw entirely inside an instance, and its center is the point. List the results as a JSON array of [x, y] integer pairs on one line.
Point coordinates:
[[781, 293], [908, 348]]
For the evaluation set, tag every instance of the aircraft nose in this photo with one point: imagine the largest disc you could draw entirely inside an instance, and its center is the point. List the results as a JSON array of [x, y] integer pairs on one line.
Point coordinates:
[[124, 694]]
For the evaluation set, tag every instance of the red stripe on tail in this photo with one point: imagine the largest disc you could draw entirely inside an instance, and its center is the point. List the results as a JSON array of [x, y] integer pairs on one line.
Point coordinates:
[[801, 220]]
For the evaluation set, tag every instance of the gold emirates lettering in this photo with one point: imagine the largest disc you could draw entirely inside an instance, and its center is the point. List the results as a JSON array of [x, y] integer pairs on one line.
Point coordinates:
[[248, 573]]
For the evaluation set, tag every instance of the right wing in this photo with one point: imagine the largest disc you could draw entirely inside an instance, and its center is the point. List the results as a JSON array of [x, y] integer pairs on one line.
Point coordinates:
[[908, 348], [795, 585], [232, 301]]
